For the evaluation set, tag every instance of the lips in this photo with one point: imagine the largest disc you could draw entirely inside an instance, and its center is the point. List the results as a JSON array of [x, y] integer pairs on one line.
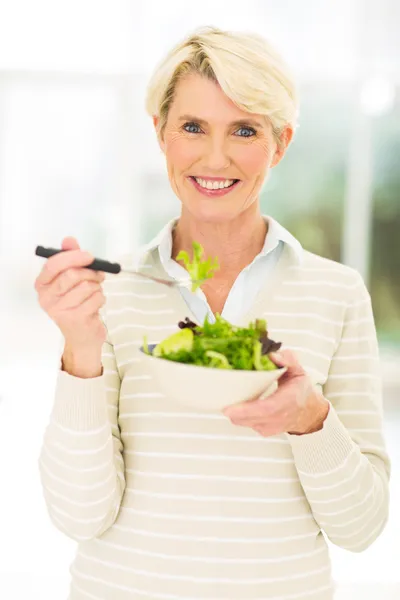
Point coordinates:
[[227, 185]]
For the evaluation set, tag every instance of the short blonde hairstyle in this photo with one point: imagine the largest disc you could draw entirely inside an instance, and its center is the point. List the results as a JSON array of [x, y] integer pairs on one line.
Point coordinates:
[[250, 72]]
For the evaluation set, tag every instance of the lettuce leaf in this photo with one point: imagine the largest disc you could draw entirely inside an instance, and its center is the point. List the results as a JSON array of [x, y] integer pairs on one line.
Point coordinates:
[[199, 270]]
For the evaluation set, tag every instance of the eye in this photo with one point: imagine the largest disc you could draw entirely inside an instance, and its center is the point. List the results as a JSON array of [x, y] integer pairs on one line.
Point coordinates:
[[246, 132], [192, 127]]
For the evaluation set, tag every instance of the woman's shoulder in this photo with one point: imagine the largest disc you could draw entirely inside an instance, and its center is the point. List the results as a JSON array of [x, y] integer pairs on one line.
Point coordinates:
[[320, 267]]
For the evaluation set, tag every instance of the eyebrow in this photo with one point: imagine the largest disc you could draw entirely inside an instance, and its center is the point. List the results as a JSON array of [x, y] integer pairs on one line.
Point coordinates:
[[239, 122]]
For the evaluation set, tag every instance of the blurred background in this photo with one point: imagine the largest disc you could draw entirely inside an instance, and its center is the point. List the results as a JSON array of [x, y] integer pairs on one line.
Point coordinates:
[[78, 156]]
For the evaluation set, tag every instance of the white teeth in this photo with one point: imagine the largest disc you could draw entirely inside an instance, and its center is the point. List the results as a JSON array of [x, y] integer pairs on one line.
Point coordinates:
[[214, 185]]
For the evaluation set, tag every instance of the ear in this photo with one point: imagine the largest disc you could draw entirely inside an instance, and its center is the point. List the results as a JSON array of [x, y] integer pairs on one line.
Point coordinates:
[[284, 140], [156, 123]]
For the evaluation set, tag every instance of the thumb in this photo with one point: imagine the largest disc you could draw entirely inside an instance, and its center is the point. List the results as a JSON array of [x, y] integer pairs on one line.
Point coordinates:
[[70, 243], [287, 358]]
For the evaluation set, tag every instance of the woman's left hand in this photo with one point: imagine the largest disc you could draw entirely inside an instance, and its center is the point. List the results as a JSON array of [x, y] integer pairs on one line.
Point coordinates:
[[295, 407]]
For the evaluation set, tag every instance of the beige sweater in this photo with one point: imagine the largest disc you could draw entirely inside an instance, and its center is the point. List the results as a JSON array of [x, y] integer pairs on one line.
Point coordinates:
[[169, 503]]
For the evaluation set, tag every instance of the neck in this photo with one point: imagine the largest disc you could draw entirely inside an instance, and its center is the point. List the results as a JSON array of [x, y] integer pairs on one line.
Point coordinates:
[[235, 243]]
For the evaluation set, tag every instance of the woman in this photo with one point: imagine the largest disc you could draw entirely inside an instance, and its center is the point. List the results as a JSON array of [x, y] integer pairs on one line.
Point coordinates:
[[167, 503]]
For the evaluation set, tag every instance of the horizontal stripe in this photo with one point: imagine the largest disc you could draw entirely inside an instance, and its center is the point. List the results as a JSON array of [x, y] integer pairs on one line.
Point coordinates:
[[61, 525], [84, 592], [353, 395], [338, 483], [168, 577], [137, 343], [68, 450], [318, 299], [352, 340], [129, 362], [172, 415], [349, 376], [323, 269], [189, 476], [355, 533], [161, 596], [347, 509], [204, 436], [213, 559], [138, 311], [125, 345], [133, 278], [75, 468], [76, 486], [227, 540], [75, 432], [135, 295], [353, 357], [137, 377], [197, 498], [306, 332], [85, 521], [126, 326], [299, 315], [340, 467], [321, 283], [110, 372], [216, 518], [212, 457], [371, 536], [142, 395], [304, 350], [77, 502]]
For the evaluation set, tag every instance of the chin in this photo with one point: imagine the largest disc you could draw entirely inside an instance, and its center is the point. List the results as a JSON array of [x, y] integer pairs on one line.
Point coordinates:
[[211, 212]]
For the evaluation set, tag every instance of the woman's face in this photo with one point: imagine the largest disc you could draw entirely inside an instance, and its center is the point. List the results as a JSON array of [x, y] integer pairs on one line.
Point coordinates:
[[210, 143]]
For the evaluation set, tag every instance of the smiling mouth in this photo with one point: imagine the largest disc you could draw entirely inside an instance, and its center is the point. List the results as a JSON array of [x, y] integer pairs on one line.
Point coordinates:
[[214, 184]]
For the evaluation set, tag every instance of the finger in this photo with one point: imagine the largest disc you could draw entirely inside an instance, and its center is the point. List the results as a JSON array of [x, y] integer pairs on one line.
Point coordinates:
[[277, 404], [287, 358], [282, 417], [73, 277], [78, 295], [268, 431], [92, 304], [252, 410], [70, 243], [60, 262]]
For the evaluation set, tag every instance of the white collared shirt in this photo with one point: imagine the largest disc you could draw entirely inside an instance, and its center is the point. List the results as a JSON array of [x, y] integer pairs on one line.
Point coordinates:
[[249, 281]]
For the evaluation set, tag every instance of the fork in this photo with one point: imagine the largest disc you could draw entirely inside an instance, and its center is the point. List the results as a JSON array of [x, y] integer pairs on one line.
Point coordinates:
[[108, 267]]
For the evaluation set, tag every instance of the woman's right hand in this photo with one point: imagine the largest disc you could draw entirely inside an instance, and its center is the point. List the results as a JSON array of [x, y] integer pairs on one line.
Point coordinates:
[[72, 296]]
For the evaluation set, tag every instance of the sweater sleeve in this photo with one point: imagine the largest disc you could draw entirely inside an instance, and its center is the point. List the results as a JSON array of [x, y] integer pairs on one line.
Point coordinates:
[[344, 468], [81, 464]]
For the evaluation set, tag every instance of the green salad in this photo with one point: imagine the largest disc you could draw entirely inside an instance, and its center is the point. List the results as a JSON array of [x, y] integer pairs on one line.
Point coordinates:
[[218, 345]]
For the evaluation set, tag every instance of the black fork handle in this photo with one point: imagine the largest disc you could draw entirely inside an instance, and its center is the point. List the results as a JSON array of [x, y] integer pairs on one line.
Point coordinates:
[[97, 265]]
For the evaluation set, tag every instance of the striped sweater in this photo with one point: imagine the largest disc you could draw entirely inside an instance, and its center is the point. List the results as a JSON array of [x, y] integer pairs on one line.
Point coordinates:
[[168, 503]]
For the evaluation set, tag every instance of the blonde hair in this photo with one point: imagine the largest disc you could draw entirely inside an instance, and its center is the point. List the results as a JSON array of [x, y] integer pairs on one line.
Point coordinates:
[[250, 72]]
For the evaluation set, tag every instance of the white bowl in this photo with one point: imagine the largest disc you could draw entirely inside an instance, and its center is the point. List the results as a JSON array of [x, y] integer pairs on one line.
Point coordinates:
[[209, 389]]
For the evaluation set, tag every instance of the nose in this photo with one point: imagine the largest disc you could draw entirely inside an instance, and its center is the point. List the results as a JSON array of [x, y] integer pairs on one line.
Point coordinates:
[[217, 155]]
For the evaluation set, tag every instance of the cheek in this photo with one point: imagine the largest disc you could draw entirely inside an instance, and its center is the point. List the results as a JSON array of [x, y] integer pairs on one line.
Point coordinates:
[[180, 154], [254, 159]]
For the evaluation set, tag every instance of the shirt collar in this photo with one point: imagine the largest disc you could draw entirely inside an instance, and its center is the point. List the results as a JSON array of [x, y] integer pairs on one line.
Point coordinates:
[[276, 233]]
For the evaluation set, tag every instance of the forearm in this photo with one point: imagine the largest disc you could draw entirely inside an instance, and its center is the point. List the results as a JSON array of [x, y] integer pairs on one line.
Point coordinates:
[[81, 465], [347, 490]]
